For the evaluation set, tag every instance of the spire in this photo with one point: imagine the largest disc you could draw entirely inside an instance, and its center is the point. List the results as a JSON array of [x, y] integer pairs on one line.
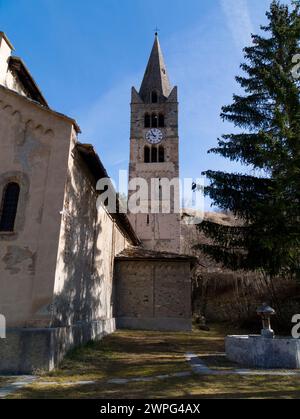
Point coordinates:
[[156, 76]]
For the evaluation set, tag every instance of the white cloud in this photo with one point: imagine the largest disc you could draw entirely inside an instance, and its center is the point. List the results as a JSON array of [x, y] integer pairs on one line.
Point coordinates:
[[239, 21]]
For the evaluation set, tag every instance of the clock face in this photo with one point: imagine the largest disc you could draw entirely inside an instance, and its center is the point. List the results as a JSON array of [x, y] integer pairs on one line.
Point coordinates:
[[154, 136]]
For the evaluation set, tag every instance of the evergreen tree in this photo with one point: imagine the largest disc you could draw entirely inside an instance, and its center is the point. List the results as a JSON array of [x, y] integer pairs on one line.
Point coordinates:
[[268, 116]]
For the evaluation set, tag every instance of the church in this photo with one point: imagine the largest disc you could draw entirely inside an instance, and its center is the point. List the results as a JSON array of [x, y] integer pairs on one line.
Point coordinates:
[[71, 270]]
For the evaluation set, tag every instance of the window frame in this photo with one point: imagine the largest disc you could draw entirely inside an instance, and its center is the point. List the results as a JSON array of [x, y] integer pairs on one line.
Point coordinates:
[[9, 204], [147, 120], [161, 120], [23, 180], [147, 154], [154, 95], [161, 154], [154, 154], [154, 120]]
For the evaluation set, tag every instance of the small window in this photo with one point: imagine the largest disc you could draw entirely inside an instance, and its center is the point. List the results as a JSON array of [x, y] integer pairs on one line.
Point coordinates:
[[154, 121], [147, 154], [154, 155], [147, 121], [161, 120], [161, 154], [148, 219], [154, 97], [9, 207]]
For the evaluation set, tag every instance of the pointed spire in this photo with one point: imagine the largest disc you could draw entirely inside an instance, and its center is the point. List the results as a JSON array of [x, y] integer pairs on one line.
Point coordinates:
[[156, 76]]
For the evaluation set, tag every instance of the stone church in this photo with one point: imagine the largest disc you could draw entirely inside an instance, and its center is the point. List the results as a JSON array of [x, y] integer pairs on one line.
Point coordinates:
[[69, 270]]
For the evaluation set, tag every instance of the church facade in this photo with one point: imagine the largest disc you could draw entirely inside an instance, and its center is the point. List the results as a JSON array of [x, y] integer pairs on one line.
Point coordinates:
[[71, 271]]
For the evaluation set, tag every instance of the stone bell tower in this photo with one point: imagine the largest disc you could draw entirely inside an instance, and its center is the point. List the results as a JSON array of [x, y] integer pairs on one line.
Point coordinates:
[[154, 156]]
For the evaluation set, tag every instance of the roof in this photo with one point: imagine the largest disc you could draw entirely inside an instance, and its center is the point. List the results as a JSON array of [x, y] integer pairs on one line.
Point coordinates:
[[98, 171], [92, 160], [221, 218], [46, 109], [3, 35], [33, 92], [156, 75], [16, 65], [139, 253]]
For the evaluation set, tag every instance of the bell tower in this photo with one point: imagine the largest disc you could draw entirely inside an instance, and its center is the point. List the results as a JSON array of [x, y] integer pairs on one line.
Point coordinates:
[[154, 155]]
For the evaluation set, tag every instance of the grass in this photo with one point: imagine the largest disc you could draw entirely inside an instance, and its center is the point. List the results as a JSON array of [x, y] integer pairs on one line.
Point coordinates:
[[128, 354], [4, 381]]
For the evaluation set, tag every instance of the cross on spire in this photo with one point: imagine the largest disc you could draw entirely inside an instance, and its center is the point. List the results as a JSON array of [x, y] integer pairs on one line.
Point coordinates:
[[156, 31]]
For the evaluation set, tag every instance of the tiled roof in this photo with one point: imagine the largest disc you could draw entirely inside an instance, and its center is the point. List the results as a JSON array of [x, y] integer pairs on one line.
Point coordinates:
[[136, 253], [98, 171]]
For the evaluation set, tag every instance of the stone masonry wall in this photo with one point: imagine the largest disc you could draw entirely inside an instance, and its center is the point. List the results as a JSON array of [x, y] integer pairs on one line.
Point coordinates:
[[153, 294], [159, 232]]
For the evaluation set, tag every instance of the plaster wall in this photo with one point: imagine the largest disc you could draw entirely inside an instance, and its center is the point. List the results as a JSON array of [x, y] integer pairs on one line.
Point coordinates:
[[5, 52], [35, 147], [89, 241]]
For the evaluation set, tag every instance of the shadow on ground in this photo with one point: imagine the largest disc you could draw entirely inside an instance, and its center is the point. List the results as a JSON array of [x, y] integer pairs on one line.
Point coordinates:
[[128, 354]]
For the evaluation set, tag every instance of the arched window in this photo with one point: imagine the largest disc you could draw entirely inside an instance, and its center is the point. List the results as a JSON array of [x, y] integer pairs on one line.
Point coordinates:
[[147, 154], [9, 207], [154, 121], [161, 120], [154, 155], [147, 120], [161, 154], [154, 97]]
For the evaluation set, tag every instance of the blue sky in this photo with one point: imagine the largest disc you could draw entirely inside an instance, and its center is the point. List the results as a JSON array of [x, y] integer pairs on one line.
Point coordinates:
[[86, 55]]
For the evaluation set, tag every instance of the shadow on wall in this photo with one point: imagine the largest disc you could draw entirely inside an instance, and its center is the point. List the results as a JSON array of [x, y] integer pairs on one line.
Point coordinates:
[[82, 298]]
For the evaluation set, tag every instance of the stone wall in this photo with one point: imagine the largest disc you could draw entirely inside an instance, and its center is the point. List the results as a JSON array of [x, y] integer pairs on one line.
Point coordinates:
[[30, 351], [159, 231], [153, 294]]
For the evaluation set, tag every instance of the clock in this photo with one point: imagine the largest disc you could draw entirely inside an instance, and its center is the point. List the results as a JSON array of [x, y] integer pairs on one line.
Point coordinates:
[[154, 136]]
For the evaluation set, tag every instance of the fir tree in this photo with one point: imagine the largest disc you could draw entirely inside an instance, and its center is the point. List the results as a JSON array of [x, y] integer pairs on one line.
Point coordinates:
[[268, 118]]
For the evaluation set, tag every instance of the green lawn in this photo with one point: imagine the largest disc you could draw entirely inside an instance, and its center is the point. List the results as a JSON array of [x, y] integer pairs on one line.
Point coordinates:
[[127, 354]]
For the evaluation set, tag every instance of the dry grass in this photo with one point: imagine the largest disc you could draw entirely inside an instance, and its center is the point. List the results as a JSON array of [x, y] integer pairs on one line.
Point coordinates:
[[129, 354], [4, 381]]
